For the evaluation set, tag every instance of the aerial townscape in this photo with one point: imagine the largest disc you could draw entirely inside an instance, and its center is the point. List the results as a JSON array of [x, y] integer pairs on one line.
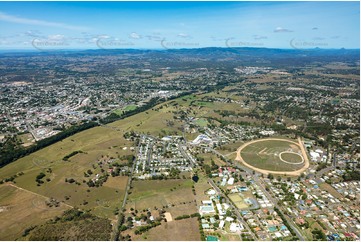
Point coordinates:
[[224, 143]]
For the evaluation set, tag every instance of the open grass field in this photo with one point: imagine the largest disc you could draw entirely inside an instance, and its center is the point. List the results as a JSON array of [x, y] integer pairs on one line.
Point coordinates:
[[273, 155], [331, 190], [201, 187], [98, 144], [189, 207], [229, 237], [208, 157], [202, 122], [238, 201], [125, 109], [72, 226], [26, 139], [152, 121], [176, 230], [229, 148], [159, 193], [20, 209], [313, 225]]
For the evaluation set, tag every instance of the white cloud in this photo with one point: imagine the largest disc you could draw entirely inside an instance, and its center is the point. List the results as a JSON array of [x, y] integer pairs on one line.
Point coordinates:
[[318, 38], [135, 36], [56, 37], [282, 30], [33, 33], [216, 39], [104, 36], [183, 35], [154, 37], [19, 20], [256, 37]]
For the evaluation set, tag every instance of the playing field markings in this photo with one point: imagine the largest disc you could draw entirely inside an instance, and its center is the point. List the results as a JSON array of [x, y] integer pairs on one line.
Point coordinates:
[[272, 154], [263, 151], [42, 163], [292, 163]]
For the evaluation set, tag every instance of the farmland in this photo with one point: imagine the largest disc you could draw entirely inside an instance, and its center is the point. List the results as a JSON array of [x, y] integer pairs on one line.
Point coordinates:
[[164, 193], [21, 209], [178, 230], [98, 146]]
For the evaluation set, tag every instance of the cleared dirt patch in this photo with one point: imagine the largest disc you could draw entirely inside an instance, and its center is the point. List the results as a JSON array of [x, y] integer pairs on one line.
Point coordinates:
[[168, 216]]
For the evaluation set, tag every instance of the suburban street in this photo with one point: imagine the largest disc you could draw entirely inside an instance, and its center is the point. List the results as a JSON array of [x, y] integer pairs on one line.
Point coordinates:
[[274, 201], [239, 217]]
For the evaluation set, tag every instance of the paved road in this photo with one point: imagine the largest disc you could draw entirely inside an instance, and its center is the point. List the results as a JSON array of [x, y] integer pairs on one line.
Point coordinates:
[[116, 226], [187, 155], [240, 218], [274, 201], [218, 153], [323, 171]]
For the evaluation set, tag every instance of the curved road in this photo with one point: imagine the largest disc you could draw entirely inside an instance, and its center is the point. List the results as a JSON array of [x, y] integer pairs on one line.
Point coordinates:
[[263, 171]]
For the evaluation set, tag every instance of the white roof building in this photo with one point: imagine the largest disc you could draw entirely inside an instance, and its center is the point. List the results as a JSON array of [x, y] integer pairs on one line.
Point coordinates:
[[221, 224], [235, 227], [211, 192], [229, 219], [220, 209], [225, 205]]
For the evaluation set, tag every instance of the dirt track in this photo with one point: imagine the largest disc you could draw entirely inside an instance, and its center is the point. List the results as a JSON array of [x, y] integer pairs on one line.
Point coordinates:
[[37, 194], [288, 173]]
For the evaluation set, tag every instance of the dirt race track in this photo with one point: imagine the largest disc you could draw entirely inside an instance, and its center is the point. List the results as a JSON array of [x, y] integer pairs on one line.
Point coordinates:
[[263, 171]]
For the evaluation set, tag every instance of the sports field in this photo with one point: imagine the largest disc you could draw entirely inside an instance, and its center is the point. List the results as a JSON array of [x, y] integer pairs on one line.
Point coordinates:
[[238, 201], [273, 155], [125, 109]]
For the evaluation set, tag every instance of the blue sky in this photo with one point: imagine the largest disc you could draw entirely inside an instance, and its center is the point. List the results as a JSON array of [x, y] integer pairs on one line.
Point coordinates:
[[166, 25]]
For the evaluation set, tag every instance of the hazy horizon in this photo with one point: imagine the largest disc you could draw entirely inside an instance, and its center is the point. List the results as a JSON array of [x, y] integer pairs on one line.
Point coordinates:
[[179, 25]]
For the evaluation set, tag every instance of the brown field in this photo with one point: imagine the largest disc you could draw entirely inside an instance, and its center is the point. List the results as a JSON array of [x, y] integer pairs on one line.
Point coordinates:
[[228, 148], [201, 187], [230, 237], [183, 209], [95, 143], [150, 194], [331, 190], [179, 230], [313, 225], [20, 209], [208, 158]]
